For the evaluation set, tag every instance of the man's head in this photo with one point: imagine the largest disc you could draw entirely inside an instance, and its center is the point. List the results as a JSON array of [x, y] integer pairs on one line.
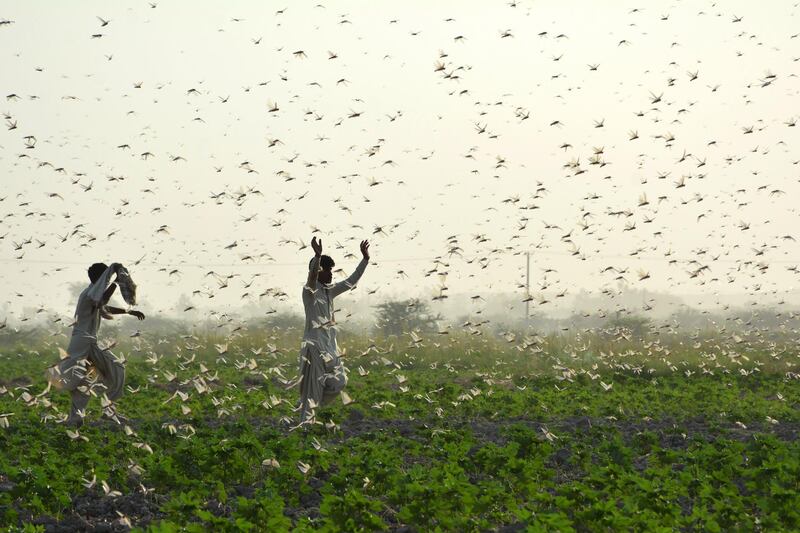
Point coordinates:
[[96, 270], [326, 264]]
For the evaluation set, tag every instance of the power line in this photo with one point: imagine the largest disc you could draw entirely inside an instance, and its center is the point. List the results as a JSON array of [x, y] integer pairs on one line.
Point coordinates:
[[405, 259], [198, 265], [400, 260]]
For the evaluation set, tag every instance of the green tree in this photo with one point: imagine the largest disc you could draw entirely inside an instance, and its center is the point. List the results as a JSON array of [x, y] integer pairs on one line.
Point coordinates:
[[635, 324], [398, 317]]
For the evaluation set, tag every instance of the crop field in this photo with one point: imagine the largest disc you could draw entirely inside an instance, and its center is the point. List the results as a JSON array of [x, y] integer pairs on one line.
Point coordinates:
[[558, 289], [461, 434]]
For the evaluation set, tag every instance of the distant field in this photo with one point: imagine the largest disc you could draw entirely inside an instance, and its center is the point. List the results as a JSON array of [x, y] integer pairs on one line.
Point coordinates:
[[469, 435]]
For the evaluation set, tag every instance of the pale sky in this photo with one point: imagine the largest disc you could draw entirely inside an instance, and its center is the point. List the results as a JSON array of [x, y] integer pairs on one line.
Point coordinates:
[[375, 143]]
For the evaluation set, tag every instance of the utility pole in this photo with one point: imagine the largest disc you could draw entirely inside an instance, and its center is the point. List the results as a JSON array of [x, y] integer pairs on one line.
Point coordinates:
[[527, 285]]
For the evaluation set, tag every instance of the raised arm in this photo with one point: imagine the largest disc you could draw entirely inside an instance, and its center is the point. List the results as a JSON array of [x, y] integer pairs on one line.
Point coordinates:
[[108, 293], [98, 289], [313, 270], [352, 280]]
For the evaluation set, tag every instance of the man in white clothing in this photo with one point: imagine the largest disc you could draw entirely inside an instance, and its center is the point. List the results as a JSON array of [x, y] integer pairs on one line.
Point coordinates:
[[322, 374], [72, 374]]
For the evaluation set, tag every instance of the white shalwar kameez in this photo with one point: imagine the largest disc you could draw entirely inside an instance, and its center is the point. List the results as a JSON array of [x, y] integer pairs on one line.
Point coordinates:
[[71, 374], [322, 374]]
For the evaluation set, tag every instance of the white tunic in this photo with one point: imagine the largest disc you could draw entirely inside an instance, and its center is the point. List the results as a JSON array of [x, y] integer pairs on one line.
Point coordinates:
[[320, 326], [70, 373], [87, 315], [322, 375]]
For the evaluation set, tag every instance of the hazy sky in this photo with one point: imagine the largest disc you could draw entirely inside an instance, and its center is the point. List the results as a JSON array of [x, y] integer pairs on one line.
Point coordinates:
[[476, 163]]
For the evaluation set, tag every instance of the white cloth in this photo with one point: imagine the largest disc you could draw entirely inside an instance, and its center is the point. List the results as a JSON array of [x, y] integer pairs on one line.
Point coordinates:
[[71, 373], [322, 374], [126, 286]]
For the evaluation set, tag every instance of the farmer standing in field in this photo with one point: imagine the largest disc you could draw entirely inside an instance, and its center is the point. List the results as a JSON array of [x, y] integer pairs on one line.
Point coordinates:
[[322, 374], [88, 369]]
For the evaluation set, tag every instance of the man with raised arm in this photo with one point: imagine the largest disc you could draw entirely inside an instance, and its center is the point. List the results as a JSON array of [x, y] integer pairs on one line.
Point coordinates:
[[322, 374]]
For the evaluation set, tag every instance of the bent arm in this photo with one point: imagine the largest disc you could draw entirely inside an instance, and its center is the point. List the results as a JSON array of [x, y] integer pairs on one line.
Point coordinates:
[[313, 270], [350, 282], [118, 311], [109, 293], [98, 288]]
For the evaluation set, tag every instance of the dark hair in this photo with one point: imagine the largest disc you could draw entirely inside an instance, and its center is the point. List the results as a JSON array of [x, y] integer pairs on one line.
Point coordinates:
[[325, 262], [96, 270]]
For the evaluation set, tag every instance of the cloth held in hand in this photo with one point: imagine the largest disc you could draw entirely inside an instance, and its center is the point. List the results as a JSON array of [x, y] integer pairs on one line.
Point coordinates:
[[126, 285]]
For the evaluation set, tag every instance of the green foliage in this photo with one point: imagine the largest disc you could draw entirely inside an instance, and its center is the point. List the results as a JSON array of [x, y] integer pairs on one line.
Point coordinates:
[[351, 512], [478, 435], [399, 317], [264, 512], [635, 324]]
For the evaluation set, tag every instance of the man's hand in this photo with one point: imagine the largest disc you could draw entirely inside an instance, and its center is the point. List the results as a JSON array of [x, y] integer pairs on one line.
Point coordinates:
[[137, 314], [316, 246], [365, 248]]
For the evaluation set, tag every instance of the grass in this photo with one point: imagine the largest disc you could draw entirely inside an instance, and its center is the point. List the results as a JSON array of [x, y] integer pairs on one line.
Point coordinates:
[[461, 432]]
